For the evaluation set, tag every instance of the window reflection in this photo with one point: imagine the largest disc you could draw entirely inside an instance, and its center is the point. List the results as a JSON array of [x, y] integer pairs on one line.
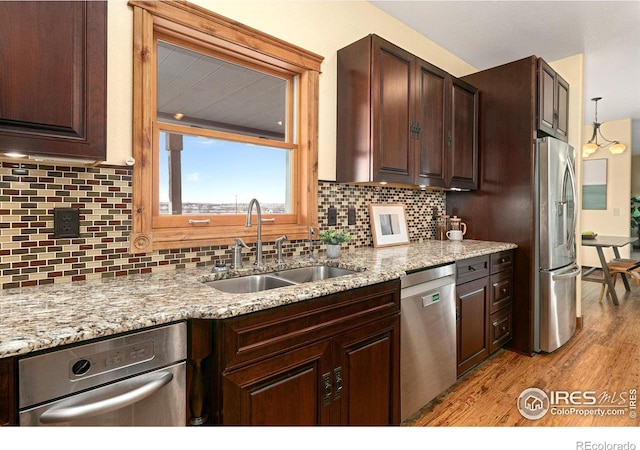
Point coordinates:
[[199, 90]]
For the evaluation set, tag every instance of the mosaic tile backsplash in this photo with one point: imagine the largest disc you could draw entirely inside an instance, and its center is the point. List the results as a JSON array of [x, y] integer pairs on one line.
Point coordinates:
[[30, 255]]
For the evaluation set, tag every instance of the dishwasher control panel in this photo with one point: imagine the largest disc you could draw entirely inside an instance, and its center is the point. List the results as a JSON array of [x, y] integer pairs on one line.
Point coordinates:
[[69, 369], [99, 363]]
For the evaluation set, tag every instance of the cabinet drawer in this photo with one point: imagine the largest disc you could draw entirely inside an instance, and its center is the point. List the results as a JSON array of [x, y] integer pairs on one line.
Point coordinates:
[[500, 329], [472, 269], [501, 289], [263, 334], [501, 261]]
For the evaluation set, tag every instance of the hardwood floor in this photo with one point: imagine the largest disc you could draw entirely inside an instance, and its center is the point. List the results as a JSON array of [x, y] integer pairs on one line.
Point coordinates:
[[603, 357]]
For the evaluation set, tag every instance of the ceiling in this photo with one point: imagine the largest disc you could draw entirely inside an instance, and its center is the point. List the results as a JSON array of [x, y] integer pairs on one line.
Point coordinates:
[[489, 33]]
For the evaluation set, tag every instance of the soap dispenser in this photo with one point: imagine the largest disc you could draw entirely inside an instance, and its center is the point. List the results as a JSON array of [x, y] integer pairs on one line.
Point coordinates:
[[237, 253]]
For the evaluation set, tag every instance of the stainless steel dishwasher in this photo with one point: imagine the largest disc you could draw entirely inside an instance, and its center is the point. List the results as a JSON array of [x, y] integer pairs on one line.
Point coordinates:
[[428, 336], [135, 379]]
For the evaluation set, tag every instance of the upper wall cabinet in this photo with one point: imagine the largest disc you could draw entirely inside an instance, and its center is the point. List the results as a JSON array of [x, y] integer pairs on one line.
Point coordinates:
[[53, 78], [402, 120], [553, 102]]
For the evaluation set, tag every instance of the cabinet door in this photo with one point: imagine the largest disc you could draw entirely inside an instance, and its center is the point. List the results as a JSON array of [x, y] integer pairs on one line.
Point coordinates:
[[463, 136], [367, 375], [553, 102], [472, 323], [432, 86], [562, 100], [53, 72], [295, 388], [8, 398], [391, 103]]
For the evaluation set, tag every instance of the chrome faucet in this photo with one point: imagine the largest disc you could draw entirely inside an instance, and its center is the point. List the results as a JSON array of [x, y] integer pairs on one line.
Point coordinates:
[[312, 231], [253, 201], [279, 242]]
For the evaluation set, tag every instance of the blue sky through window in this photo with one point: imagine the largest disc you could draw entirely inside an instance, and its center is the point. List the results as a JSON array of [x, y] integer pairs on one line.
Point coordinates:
[[215, 171]]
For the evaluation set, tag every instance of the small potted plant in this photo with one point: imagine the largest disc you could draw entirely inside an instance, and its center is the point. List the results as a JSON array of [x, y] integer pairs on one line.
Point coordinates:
[[334, 240]]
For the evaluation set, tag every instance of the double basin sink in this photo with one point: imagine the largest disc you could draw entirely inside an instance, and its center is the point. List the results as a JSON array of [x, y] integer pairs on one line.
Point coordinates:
[[282, 278]]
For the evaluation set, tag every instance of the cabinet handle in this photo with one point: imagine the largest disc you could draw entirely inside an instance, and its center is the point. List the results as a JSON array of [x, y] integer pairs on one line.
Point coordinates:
[[337, 373], [504, 290], [194, 221], [413, 128], [327, 388], [472, 269]]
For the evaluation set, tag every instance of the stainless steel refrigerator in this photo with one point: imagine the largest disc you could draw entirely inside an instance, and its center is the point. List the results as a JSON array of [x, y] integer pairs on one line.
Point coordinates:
[[555, 215]]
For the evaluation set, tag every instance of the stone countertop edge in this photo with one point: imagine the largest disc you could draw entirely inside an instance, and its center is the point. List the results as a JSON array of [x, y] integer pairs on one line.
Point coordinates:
[[43, 317]]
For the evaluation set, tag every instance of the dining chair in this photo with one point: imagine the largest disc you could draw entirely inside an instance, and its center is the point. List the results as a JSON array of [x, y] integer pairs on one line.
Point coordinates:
[[630, 267]]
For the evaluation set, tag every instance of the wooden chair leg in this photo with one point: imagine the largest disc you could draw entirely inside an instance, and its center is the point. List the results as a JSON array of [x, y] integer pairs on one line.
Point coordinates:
[[604, 286]]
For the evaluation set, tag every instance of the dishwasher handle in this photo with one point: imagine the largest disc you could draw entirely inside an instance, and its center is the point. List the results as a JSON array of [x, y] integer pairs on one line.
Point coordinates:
[[76, 412]]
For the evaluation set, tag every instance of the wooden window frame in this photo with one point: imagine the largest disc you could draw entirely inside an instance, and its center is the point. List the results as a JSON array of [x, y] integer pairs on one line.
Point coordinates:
[[190, 23]]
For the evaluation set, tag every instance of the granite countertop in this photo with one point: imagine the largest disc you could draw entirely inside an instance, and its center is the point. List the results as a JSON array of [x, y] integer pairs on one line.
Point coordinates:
[[38, 318]]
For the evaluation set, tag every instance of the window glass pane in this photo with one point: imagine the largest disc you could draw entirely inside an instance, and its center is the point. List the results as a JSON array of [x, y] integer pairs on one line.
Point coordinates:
[[202, 91], [201, 175]]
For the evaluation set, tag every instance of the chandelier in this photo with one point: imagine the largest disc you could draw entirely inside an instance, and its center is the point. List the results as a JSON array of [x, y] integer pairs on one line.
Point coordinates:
[[590, 147]]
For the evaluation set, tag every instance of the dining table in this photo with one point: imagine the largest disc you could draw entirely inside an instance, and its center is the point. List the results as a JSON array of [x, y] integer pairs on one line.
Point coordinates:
[[600, 243]]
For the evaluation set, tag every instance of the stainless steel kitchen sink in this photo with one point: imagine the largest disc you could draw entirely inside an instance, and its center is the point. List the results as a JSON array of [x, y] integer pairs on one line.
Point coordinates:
[[282, 278], [250, 283], [313, 273]]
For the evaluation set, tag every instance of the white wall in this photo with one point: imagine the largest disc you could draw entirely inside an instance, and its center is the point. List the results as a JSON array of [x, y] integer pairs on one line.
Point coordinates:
[[322, 27], [615, 220]]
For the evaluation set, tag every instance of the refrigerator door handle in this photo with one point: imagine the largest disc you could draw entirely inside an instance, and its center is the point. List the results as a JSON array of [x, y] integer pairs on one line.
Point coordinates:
[[563, 276], [572, 178]]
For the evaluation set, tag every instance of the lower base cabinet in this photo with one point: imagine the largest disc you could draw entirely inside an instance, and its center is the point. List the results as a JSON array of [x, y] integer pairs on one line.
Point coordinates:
[[484, 286], [8, 389], [330, 361], [471, 322]]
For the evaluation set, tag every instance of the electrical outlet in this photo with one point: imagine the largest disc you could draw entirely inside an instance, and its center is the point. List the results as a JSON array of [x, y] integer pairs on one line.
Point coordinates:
[[351, 215], [66, 222], [332, 216]]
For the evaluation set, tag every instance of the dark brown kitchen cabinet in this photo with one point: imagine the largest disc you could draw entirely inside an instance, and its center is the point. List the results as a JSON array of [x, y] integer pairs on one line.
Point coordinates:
[[330, 361], [472, 304], [401, 120], [53, 89], [501, 299], [502, 209], [553, 102], [462, 143], [483, 307], [8, 389]]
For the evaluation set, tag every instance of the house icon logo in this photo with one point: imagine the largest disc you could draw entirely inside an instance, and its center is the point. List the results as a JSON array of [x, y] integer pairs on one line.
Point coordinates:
[[533, 403]]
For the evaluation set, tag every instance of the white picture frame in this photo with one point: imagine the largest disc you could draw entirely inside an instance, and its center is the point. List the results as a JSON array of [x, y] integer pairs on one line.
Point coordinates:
[[388, 224]]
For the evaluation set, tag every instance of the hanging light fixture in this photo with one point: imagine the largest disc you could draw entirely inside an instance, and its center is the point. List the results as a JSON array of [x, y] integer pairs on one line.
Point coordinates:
[[615, 147]]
